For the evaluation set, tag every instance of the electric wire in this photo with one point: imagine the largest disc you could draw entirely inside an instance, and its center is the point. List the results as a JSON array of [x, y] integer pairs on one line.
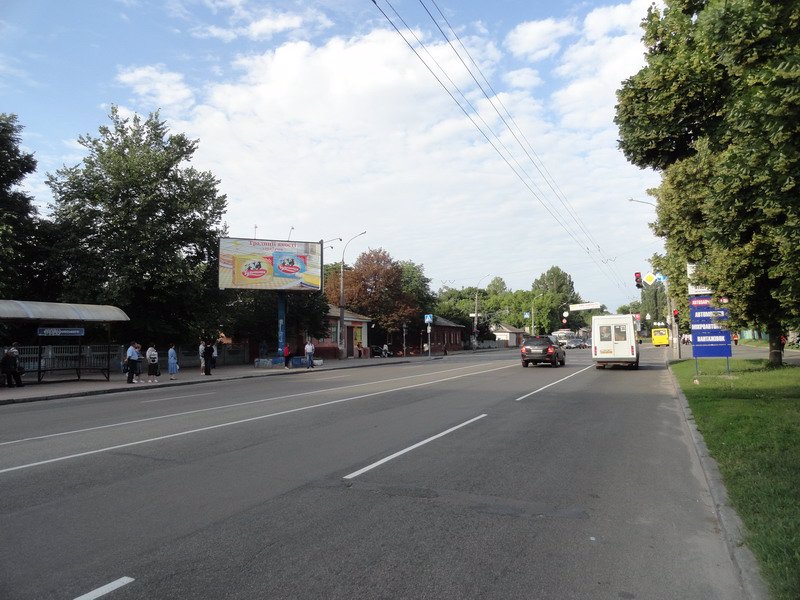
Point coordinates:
[[543, 171], [553, 214]]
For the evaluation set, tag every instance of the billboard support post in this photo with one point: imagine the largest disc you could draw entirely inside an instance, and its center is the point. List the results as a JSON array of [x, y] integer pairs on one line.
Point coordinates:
[[281, 322]]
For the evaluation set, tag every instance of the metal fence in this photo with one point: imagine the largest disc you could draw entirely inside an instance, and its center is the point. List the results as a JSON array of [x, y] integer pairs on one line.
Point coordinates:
[[47, 359], [107, 358]]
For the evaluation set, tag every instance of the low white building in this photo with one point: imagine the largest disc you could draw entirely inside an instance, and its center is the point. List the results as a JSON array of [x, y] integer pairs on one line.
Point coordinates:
[[512, 336]]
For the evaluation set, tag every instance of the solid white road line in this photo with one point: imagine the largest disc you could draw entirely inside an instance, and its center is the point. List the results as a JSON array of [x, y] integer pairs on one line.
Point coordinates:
[[102, 591], [234, 405], [552, 384], [178, 397], [410, 448], [239, 422]]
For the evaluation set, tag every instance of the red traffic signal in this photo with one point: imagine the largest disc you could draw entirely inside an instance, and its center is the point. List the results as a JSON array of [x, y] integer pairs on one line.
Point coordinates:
[[676, 313], [638, 278]]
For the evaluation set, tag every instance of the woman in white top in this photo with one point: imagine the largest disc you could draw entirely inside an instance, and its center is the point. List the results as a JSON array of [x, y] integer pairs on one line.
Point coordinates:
[[152, 364]]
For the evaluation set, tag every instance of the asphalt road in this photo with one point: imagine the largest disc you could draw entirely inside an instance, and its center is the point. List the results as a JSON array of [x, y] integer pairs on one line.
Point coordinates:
[[467, 477]]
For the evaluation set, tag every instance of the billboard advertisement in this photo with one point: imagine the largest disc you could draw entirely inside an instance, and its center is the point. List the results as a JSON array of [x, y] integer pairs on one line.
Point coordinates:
[[270, 265]]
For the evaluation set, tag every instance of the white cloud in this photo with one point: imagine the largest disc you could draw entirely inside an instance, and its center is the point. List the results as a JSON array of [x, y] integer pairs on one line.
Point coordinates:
[[537, 40], [157, 86], [263, 25], [523, 78], [608, 51], [355, 134]]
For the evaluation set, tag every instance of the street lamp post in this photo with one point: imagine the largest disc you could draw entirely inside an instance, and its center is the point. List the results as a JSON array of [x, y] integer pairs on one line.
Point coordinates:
[[342, 348], [533, 312]]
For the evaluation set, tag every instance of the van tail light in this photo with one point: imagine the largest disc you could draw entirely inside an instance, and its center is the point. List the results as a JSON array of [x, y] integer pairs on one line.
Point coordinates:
[[633, 351]]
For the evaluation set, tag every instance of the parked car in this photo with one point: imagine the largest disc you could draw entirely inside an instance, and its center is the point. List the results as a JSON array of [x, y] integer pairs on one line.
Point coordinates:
[[574, 343], [542, 348]]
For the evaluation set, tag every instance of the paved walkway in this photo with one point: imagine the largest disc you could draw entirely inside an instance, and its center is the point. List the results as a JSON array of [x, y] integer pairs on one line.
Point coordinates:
[[94, 383]]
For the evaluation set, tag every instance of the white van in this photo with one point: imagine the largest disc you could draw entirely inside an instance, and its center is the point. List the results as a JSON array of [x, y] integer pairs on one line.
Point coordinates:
[[614, 341]]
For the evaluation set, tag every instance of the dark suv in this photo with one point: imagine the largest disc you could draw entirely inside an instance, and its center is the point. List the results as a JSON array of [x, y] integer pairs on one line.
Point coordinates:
[[542, 348]]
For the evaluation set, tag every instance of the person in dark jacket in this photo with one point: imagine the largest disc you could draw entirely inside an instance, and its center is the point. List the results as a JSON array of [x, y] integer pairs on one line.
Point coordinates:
[[208, 355], [9, 365]]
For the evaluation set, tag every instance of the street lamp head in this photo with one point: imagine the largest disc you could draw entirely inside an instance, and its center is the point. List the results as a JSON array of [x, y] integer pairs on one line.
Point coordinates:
[[641, 202]]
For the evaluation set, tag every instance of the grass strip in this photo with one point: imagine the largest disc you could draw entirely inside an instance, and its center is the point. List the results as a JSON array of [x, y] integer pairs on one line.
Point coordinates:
[[750, 421]]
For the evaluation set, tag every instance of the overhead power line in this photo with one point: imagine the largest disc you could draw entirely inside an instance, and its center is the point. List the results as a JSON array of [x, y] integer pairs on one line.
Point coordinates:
[[597, 255]]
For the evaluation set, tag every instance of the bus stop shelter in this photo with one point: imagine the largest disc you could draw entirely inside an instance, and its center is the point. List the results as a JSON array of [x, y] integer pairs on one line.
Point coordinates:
[[55, 320]]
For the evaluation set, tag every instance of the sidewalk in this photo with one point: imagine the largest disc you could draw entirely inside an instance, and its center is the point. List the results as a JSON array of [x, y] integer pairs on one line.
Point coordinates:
[[94, 383]]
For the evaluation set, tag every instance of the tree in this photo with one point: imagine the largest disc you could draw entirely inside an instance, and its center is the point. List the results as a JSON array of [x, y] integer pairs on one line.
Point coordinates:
[[555, 290], [717, 110], [497, 287], [142, 230], [26, 273], [631, 308], [375, 287]]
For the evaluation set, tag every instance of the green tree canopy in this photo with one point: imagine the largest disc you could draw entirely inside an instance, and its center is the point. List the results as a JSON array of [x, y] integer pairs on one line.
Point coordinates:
[[141, 229], [717, 109], [25, 239]]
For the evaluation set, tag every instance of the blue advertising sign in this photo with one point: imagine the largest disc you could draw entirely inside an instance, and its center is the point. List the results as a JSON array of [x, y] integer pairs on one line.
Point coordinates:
[[59, 331], [710, 336]]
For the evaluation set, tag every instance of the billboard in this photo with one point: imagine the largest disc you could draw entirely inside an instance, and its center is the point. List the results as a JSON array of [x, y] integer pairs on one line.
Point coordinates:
[[270, 265]]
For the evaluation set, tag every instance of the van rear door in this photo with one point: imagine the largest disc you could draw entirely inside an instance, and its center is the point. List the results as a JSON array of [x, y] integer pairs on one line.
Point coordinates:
[[623, 340]]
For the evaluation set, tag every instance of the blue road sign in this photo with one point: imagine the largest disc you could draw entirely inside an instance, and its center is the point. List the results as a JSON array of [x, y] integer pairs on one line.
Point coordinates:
[[710, 336]]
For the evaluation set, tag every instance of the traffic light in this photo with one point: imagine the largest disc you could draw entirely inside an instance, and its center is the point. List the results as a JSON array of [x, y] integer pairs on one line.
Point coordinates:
[[675, 314], [638, 278]]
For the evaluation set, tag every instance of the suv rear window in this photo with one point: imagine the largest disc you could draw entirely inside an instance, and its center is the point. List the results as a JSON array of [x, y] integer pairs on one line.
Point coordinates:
[[539, 340]]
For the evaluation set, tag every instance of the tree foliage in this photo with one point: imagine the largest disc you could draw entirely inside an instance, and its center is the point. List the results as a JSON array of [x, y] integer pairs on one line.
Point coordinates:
[[717, 109], [388, 291], [142, 229], [26, 273]]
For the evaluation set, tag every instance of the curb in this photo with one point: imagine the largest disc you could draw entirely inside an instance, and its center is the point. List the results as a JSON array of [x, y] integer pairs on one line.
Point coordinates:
[[733, 529], [125, 389]]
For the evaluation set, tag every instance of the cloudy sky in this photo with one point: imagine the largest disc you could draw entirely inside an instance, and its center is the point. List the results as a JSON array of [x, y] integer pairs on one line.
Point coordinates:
[[321, 121]]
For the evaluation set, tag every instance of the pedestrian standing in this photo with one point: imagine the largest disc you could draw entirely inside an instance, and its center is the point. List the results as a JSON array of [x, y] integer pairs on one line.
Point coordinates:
[[130, 362], [214, 354], [735, 339], [782, 341], [208, 355], [172, 361], [152, 364], [202, 352], [139, 360], [385, 352], [287, 355], [10, 367], [309, 355]]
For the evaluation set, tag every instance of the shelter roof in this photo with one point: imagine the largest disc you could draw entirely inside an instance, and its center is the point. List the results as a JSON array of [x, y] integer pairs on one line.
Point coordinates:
[[25, 310]]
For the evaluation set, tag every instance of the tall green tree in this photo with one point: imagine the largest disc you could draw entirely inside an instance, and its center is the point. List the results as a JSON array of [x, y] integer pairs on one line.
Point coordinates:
[[26, 269], [553, 291], [141, 229], [717, 110]]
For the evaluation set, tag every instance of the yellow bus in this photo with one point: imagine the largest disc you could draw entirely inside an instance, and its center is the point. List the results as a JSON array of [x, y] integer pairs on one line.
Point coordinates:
[[660, 337]]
